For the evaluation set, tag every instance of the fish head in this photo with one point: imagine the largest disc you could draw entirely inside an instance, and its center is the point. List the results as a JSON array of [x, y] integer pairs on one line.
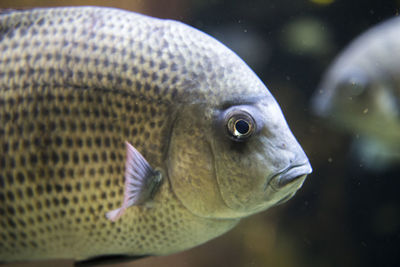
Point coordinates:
[[258, 161], [233, 154], [360, 96]]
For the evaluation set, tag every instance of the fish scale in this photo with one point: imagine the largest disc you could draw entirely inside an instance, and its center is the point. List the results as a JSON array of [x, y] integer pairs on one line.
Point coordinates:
[[76, 84], [63, 154]]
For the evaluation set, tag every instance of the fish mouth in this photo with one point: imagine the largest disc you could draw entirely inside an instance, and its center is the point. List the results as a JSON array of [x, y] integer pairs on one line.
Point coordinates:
[[289, 175]]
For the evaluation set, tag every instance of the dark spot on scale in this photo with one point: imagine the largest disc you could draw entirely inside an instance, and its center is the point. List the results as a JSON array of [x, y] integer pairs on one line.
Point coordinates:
[[10, 179], [31, 176], [40, 22], [97, 140], [58, 188], [56, 201], [138, 85], [47, 141], [39, 189], [10, 210], [107, 141], [6, 146], [85, 158], [22, 160], [79, 142], [110, 169], [29, 192], [174, 80], [162, 65], [83, 126], [92, 126], [11, 162], [126, 131], [11, 223], [174, 93], [10, 196], [65, 157], [49, 188], [145, 74], [20, 193], [21, 209], [56, 111], [95, 157], [68, 188], [38, 205], [102, 126], [61, 173], [58, 140], [26, 143], [156, 90], [20, 177], [37, 142], [69, 142], [39, 218], [65, 201], [41, 172], [89, 142], [12, 235], [54, 157], [75, 157]]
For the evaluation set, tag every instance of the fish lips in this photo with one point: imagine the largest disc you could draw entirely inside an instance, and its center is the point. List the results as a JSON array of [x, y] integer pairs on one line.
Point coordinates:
[[294, 175]]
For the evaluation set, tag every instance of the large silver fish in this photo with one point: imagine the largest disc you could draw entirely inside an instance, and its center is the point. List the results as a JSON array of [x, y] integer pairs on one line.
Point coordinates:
[[361, 93], [122, 134]]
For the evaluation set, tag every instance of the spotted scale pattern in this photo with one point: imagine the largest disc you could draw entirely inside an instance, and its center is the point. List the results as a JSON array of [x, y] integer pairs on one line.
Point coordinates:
[[75, 83]]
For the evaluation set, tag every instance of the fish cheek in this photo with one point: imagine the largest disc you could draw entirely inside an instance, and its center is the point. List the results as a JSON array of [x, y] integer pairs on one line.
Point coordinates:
[[241, 174], [191, 164]]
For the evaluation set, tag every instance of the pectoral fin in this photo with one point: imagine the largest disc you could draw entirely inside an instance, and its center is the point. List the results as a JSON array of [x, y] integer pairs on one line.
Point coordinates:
[[141, 182]]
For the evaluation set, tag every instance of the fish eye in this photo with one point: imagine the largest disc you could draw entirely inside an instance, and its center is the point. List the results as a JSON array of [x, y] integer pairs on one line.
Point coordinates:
[[355, 84], [240, 125]]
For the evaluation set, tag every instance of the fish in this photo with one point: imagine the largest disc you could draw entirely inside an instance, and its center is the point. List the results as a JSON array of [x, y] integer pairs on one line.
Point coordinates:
[[360, 93], [124, 136]]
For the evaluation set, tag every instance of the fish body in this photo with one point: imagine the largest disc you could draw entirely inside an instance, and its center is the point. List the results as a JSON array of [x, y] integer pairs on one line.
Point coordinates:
[[361, 92], [122, 134]]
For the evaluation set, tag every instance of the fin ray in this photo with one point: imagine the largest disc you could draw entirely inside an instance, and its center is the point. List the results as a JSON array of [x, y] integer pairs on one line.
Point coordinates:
[[140, 182]]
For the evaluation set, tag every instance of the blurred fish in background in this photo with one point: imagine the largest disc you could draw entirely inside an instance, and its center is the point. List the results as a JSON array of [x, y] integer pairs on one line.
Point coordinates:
[[361, 94]]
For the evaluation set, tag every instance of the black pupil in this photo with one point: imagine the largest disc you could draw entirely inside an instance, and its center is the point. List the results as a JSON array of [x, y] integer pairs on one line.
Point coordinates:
[[242, 126]]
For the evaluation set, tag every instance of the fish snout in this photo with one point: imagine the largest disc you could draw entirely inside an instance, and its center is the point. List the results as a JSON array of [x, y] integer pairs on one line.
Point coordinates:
[[294, 174]]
